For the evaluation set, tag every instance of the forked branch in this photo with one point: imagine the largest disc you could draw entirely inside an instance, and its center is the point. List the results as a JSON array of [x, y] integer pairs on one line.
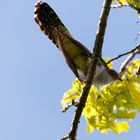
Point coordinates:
[[127, 61], [133, 52]]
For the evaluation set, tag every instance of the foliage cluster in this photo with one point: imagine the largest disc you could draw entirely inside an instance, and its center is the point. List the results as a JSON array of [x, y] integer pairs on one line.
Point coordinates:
[[135, 4], [111, 106]]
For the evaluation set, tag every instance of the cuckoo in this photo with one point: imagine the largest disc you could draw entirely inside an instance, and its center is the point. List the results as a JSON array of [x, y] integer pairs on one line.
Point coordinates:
[[77, 56]]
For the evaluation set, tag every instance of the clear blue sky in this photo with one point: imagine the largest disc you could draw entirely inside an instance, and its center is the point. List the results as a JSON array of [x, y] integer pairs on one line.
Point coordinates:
[[34, 75]]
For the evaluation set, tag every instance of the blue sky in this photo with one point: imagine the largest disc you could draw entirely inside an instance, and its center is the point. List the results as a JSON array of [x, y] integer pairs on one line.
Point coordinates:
[[34, 75]]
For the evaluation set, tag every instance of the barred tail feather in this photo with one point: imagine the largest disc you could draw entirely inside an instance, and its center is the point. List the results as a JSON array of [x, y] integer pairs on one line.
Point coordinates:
[[48, 21]]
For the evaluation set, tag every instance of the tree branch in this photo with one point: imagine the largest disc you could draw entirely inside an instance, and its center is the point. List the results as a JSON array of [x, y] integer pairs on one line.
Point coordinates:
[[119, 5], [127, 61], [128, 4], [73, 103], [123, 54], [97, 50]]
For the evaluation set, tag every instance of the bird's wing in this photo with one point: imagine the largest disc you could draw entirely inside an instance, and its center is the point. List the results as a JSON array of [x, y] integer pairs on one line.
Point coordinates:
[[76, 55]]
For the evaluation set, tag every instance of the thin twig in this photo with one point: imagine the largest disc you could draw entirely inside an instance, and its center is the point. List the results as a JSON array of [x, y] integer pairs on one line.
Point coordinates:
[[123, 54], [73, 103], [127, 61], [120, 5], [97, 53], [138, 33]]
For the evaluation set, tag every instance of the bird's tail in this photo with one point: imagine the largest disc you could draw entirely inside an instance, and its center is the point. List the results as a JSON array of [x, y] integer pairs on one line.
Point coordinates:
[[48, 21]]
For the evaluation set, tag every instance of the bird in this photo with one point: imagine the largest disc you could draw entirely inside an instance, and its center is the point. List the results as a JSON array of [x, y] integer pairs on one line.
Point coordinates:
[[76, 55]]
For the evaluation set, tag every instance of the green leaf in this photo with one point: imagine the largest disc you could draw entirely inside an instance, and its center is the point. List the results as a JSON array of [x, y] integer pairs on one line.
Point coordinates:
[[109, 107], [135, 4], [120, 127], [72, 94]]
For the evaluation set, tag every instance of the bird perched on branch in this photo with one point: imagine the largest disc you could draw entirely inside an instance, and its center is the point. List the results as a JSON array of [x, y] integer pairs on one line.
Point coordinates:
[[76, 55]]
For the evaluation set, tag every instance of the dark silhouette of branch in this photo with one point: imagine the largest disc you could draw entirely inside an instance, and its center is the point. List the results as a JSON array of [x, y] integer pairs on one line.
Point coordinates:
[[126, 53], [97, 50], [127, 61]]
